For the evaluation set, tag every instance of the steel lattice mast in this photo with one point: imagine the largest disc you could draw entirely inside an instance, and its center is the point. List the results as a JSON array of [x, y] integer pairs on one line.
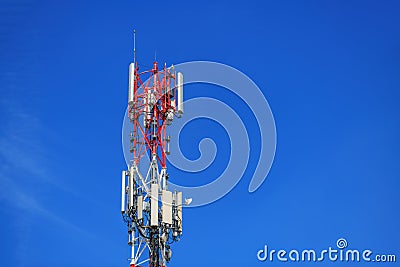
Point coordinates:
[[152, 213]]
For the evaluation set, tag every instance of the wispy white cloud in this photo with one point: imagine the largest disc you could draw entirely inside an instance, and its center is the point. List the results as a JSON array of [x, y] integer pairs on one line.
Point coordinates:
[[22, 159]]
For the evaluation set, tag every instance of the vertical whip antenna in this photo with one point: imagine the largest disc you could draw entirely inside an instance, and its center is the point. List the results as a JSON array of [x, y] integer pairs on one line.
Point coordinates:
[[134, 46]]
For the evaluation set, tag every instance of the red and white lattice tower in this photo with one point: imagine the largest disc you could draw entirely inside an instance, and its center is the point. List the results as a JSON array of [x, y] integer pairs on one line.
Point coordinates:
[[152, 213]]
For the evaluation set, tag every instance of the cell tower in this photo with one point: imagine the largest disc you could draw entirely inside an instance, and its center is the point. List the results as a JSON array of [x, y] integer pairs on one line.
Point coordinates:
[[152, 213]]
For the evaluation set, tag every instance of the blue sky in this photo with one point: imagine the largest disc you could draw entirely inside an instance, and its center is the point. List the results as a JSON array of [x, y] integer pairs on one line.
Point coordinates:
[[329, 70]]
